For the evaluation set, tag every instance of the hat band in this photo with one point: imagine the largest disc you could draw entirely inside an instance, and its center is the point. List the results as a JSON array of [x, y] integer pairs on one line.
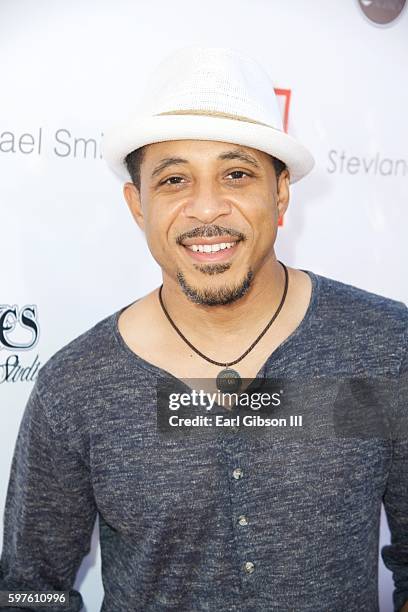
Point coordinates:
[[207, 113]]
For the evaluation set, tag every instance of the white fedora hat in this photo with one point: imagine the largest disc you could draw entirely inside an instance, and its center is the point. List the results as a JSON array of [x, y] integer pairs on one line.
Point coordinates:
[[201, 93]]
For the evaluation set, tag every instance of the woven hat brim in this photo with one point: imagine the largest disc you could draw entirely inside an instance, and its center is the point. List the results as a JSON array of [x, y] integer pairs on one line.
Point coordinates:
[[122, 139]]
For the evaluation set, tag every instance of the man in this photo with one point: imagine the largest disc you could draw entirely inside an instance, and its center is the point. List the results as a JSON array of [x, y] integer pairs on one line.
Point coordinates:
[[225, 522]]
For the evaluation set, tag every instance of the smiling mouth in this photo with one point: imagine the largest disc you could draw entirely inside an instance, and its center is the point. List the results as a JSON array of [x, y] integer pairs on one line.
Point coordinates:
[[217, 248]]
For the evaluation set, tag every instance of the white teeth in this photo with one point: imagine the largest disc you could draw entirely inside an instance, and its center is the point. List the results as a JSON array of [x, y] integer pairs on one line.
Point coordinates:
[[210, 248]]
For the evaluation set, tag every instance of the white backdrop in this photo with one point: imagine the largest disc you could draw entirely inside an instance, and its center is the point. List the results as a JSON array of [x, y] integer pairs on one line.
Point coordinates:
[[70, 250]]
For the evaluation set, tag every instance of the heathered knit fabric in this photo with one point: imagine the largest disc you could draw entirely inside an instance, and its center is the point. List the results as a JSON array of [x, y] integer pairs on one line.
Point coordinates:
[[168, 510]]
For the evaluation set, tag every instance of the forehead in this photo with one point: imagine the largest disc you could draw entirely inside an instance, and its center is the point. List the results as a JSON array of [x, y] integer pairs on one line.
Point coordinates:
[[200, 150]]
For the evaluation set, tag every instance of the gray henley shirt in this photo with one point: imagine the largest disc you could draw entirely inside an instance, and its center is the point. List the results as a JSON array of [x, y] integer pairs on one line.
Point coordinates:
[[227, 523]]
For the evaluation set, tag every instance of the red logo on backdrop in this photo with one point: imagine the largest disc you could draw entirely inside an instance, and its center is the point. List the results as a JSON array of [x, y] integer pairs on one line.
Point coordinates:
[[284, 99]]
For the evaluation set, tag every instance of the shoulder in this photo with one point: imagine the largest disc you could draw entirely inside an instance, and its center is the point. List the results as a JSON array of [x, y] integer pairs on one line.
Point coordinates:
[[361, 321], [73, 371], [358, 304]]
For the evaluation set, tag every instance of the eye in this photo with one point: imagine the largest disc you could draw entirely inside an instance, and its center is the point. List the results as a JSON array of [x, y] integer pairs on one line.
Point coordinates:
[[238, 172], [171, 180]]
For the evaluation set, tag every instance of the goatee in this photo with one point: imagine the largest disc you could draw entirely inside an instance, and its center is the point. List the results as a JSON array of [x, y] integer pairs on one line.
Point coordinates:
[[219, 296]]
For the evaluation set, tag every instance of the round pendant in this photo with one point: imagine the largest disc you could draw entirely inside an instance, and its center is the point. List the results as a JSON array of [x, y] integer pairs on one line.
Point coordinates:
[[228, 381]]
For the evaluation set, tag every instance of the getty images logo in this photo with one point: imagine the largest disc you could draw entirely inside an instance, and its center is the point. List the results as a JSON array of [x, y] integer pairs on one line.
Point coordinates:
[[382, 12], [19, 331]]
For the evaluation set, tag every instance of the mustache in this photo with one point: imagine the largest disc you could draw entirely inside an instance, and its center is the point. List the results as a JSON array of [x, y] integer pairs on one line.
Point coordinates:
[[209, 231]]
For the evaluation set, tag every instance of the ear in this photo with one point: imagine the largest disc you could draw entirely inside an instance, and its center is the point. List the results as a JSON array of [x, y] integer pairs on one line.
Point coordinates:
[[132, 197], [283, 192]]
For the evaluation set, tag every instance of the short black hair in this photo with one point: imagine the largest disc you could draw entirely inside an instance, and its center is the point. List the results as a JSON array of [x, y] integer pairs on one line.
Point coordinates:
[[134, 159]]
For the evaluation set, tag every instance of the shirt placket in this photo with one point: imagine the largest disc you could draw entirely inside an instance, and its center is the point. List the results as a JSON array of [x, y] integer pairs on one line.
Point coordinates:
[[238, 474]]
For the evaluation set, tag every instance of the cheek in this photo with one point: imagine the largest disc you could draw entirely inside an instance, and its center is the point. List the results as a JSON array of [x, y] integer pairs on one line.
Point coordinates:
[[264, 221], [262, 215], [158, 234], [160, 216]]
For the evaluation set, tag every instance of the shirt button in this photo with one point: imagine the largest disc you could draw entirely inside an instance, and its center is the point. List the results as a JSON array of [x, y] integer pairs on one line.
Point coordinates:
[[234, 428], [237, 473], [242, 520], [249, 567]]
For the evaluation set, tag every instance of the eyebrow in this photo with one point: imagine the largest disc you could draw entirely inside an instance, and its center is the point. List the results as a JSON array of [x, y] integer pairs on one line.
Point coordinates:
[[167, 161], [238, 154], [232, 154]]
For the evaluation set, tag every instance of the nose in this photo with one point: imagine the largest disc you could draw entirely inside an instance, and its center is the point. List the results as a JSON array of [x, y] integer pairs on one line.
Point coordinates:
[[206, 203]]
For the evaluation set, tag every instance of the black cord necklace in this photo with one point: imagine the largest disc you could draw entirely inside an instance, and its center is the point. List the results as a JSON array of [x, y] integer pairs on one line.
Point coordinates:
[[229, 379]]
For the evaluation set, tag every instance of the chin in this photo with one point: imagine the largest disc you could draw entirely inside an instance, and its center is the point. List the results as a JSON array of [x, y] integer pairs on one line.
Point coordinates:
[[218, 293]]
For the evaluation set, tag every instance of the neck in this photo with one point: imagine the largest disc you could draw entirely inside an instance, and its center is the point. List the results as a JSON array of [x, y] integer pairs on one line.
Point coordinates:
[[245, 314]]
